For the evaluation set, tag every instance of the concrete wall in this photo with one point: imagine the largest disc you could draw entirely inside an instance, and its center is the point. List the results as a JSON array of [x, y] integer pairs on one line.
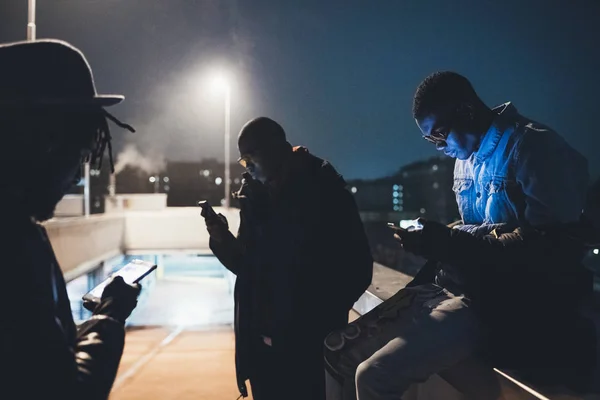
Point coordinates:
[[135, 202], [173, 228], [81, 243], [71, 205]]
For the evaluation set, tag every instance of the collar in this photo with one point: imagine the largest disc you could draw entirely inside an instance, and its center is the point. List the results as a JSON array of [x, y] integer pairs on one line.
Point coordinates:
[[505, 119]]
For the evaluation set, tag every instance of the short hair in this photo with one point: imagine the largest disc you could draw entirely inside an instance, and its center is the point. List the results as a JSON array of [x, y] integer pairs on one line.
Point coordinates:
[[442, 92], [263, 132]]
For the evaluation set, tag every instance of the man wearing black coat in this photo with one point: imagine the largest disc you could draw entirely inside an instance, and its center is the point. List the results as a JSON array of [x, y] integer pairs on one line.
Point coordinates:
[[301, 258], [51, 120]]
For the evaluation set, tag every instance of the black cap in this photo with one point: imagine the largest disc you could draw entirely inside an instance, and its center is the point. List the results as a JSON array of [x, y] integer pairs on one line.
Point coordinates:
[[48, 72]]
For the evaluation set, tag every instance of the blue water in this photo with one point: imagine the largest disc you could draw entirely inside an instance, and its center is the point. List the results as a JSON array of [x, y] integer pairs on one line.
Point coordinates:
[[172, 266]]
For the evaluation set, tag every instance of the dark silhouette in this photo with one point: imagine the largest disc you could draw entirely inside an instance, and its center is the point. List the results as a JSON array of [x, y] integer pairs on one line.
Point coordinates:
[[301, 258], [504, 286], [51, 119]]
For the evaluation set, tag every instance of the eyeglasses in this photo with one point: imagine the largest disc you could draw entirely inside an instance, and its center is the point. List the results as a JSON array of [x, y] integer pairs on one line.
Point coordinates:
[[245, 161], [437, 137]]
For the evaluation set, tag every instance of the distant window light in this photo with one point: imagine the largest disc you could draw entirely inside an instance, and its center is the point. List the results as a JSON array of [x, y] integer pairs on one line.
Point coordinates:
[[400, 201], [434, 167], [396, 201], [152, 179], [400, 194], [166, 179], [422, 211], [400, 187], [400, 208], [596, 251], [396, 187], [354, 189], [218, 180], [395, 194], [167, 188], [206, 173], [436, 185], [396, 208]]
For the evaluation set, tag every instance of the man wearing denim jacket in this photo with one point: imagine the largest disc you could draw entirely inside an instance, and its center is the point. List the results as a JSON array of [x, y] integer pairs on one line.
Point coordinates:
[[506, 282]]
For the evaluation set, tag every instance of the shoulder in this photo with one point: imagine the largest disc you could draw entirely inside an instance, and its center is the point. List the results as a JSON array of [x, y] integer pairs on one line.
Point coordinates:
[[531, 138]]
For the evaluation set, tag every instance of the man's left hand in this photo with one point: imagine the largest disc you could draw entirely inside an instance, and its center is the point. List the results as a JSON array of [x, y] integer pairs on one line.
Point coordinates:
[[410, 240]]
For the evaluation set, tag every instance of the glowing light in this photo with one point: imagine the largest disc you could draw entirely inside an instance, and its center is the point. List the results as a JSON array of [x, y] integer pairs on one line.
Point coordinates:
[[219, 180], [152, 179], [354, 189]]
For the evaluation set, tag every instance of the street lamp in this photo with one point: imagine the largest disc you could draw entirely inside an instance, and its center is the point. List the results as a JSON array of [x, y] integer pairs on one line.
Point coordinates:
[[222, 83]]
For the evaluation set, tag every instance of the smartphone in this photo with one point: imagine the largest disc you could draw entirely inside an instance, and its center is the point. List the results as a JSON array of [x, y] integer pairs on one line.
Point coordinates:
[[413, 225], [392, 226], [207, 210], [132, 273]]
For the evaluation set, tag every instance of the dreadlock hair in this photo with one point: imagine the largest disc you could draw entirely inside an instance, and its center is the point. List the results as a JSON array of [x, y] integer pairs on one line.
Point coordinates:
[[442, 93], [43, 133], [103, 140]]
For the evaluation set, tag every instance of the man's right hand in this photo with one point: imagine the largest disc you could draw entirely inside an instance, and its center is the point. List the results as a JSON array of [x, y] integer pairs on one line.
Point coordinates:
[[217, 227], [119, 299]]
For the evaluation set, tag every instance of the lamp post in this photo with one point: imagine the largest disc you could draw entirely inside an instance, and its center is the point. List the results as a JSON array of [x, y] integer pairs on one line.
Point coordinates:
[[227, 146], [31, 20], [221, 82]]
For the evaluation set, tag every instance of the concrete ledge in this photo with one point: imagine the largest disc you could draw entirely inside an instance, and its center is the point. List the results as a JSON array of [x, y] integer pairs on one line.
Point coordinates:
[[79, 241], [171, 228]]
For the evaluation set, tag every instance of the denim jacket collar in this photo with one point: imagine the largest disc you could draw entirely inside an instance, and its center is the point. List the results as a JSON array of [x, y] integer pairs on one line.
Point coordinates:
[[505, 119]]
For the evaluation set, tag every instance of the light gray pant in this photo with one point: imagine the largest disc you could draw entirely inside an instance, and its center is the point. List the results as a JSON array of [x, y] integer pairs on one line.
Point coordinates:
[[436, 331]]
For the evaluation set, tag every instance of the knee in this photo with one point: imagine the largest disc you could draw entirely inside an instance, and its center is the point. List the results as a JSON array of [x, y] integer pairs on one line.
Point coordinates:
[[374, 377], [369, 375]]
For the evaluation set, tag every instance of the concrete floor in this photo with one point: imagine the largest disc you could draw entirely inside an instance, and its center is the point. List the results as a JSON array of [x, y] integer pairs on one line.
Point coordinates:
[[165, 364]]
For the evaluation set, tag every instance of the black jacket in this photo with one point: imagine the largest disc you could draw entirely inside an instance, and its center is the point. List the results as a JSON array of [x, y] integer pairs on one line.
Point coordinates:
[[42, 353], [320, 263]]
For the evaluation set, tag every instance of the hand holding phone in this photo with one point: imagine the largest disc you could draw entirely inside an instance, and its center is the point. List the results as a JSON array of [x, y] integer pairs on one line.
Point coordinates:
[[207, 210], [131, 274], [409, 238], [216, 224]]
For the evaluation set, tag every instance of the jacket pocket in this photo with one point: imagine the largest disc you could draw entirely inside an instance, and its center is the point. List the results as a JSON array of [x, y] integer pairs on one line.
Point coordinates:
[[497, 207], [462, 189]]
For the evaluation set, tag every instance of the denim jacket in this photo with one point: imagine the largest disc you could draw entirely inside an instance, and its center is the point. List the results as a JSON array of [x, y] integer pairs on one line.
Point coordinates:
[[523, 174]]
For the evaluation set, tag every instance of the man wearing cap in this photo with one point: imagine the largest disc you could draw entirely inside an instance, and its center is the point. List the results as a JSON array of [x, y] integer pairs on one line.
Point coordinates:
[[301, 258], [51, 120]]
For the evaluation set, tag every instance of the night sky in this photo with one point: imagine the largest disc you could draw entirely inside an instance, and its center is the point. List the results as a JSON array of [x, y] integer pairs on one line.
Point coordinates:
[[338, 75]]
